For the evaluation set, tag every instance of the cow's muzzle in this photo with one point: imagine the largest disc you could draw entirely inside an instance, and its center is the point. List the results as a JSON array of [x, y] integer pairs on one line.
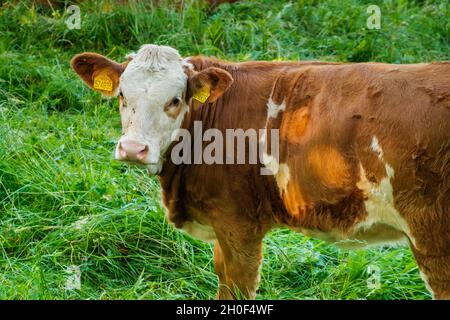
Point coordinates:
[[132, 151]]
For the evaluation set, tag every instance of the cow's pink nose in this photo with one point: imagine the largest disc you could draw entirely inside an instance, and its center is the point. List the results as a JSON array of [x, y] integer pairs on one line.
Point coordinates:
[[130, 150]]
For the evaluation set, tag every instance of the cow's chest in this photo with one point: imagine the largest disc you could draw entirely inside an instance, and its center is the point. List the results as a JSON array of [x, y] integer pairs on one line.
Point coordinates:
[[198, 224], [186, 212]]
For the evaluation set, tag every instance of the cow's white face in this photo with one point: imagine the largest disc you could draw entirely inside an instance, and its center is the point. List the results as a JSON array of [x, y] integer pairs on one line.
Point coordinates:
[[152, 105], [154, 88]]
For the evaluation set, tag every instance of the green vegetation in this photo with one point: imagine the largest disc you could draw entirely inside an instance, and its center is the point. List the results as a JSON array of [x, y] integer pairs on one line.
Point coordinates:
[[63, 199]]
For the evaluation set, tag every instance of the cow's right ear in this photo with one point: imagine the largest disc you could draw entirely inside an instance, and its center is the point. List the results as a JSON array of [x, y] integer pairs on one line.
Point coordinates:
[[98, 72]]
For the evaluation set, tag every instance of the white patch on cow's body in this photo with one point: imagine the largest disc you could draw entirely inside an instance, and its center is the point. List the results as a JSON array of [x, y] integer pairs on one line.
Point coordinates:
[[199, 231], [273, 109], [282, 177], [380, 202], [152, 80], [375, 146], [269, 161], [279, 170], [380, 206]]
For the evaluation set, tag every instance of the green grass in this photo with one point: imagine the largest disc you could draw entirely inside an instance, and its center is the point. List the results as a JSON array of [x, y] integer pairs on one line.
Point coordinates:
[[64, 201]]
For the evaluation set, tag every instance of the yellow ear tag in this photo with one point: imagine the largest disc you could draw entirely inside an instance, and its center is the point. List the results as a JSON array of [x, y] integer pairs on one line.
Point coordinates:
[[202, 94], [103, 82]]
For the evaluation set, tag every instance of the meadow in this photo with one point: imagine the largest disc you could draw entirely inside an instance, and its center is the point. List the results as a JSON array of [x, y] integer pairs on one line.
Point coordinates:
[[66, 206]]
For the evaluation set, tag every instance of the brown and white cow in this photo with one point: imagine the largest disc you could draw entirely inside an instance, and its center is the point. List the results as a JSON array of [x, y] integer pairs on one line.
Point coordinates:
[[364, 153]]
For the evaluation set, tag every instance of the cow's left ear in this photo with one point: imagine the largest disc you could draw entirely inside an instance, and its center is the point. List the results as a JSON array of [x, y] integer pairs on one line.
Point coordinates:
[[208, 85], [98, 72]]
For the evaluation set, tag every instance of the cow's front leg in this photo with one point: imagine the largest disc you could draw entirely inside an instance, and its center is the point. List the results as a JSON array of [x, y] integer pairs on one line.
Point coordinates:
[[220, 270], [237, 262]]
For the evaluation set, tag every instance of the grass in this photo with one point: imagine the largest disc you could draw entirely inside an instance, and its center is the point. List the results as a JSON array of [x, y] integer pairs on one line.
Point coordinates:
[[65, 202]]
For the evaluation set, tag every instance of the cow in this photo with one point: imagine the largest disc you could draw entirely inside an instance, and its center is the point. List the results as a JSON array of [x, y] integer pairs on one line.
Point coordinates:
[[363, 153]]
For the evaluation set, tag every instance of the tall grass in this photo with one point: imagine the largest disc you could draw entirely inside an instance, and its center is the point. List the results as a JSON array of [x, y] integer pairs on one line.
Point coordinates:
[[65, 202]]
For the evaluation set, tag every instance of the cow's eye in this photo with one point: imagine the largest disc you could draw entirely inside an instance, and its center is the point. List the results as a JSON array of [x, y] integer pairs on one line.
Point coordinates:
[[122, 102], [176, 101]]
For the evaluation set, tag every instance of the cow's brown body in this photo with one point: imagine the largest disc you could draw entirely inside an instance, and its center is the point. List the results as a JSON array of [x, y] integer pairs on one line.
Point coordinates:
[[347, 132], [364, 152]]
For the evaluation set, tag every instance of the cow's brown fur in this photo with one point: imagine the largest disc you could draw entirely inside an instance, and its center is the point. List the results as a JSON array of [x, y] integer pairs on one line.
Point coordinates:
[[332, 113]]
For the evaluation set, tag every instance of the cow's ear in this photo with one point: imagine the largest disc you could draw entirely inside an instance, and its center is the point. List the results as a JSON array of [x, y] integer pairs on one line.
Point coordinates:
[[208, 85], [98, 72]]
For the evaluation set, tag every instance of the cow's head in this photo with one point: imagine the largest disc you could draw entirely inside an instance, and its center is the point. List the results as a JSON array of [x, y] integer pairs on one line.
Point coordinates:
[[155, 87]]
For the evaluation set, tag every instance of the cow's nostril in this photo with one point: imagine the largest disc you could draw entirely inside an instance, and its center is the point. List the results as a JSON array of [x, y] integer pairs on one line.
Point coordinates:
[[143, 153], [122, 152]]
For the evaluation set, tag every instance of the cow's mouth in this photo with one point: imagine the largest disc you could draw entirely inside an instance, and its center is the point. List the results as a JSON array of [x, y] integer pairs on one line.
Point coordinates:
[[152, 168], [139, 163]]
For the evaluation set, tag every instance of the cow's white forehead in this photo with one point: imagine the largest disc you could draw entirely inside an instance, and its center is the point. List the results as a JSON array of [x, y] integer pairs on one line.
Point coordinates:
[[155, 70], [155, 58]]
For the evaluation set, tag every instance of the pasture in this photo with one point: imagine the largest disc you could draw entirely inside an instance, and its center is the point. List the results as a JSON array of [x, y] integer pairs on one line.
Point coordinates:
[[68, 209]]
